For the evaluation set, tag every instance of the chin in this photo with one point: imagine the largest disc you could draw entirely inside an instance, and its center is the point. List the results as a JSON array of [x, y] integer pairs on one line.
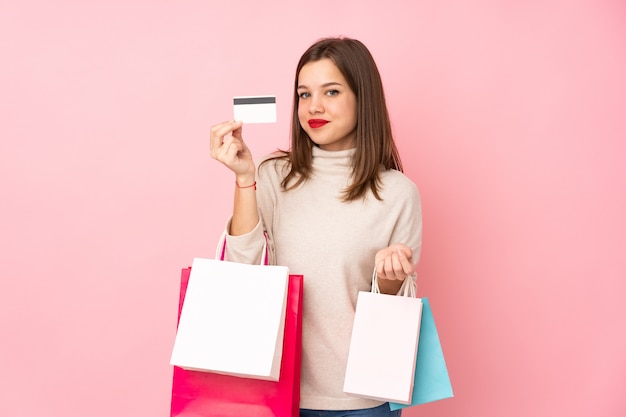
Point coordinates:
[[314, 139]]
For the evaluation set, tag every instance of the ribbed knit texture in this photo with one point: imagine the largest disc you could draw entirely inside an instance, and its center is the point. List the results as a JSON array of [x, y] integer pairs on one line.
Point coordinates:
[[333, 244]]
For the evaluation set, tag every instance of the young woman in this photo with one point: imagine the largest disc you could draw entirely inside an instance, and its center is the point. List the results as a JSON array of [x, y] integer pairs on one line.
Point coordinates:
[[334, 207]]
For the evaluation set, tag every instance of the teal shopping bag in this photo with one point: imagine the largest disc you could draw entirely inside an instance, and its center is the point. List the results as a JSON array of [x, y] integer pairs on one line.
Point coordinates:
[[432, 382]]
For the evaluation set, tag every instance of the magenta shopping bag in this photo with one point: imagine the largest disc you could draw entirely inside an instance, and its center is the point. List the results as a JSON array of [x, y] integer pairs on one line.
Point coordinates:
[[200, 394]]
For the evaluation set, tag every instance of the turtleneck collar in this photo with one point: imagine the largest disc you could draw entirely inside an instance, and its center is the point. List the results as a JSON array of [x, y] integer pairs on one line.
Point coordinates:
[[322, 158]]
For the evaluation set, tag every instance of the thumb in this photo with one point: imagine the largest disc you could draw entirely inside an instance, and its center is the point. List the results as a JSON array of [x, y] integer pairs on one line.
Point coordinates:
[[408, 252]]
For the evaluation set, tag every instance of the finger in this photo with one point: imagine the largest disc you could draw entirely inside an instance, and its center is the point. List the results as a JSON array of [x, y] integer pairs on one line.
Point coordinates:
[[406, 263], [398, 271], [238, 131], [219, 131], [404, 248], [219, 149], [389, 269], [380, 268], [229, 150], [393, 267], [222, 149], [233, 150]]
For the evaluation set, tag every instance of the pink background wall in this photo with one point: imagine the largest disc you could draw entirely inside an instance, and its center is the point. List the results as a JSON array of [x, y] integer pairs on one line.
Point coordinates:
[[511, 117]]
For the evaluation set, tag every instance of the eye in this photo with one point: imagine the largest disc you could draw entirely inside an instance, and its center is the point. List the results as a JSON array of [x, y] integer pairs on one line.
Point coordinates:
[[332, 92], [304, 95]]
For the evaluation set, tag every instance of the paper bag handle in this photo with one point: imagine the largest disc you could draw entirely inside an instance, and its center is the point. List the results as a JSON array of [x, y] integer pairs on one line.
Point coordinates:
[[408, 288]]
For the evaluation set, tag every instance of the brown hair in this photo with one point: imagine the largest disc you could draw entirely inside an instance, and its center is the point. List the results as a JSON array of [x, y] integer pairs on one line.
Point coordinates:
[[374, 140]]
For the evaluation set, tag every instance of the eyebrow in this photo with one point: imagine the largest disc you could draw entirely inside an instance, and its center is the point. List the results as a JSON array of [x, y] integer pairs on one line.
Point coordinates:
[[329, 84]]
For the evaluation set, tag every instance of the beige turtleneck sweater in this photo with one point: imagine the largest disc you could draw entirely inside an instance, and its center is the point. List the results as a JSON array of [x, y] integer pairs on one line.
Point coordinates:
[[333, 244]]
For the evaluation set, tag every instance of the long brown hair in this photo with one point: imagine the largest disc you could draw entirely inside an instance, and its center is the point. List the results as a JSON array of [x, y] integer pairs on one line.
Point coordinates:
[[374, 140]]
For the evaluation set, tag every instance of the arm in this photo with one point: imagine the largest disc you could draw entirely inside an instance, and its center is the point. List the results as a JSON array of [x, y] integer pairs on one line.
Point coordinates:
[[228, 147], [397, 261]]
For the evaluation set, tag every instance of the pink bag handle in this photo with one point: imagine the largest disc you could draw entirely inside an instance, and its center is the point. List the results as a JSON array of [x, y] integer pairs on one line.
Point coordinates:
[[264, 258]]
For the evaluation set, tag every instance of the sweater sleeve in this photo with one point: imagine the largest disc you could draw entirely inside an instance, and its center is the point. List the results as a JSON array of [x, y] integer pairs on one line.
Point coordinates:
[[247, 248], [408, 227]]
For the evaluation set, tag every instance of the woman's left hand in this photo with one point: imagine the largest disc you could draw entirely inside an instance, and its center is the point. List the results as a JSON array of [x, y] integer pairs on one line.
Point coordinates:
[[395, 262]]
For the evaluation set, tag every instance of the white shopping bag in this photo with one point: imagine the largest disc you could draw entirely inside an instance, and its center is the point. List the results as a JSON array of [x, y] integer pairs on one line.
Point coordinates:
[[232, 319], [383, 347]]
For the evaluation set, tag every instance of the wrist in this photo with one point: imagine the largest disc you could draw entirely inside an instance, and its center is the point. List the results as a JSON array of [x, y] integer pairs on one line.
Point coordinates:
[[252, 186], [244, 181]]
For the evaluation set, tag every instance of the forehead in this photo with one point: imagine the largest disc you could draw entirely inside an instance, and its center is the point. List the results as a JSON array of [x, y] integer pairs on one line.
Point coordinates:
[[320, 72]]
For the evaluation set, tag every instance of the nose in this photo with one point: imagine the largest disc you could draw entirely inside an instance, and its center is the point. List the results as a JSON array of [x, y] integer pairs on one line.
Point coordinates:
[[316, 105]]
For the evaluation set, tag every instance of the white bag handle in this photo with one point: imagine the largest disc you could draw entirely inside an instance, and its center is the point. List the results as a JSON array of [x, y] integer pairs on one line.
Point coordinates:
[[408, 288], [220, 251]]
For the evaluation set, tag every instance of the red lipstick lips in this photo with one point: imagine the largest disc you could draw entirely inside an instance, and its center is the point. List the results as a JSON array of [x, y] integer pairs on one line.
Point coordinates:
[[315, 123]]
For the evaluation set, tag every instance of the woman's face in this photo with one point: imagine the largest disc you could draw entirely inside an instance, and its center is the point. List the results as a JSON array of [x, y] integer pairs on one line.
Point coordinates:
[[326, 106]]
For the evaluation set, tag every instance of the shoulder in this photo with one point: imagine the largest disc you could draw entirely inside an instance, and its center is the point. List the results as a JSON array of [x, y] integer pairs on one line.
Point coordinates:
[[275, 164], [395, 185], [395, 179], [272, 158]]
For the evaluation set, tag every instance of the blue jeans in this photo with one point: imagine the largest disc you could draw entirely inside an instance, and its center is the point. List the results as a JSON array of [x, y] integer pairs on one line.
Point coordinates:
[[380, 411]]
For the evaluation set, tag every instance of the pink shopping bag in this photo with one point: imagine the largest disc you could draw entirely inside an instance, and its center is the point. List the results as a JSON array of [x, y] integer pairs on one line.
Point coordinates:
[[384, 377], [200, 394]]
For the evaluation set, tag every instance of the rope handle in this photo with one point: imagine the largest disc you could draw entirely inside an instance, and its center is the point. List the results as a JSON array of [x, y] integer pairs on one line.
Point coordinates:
[[408, 288]]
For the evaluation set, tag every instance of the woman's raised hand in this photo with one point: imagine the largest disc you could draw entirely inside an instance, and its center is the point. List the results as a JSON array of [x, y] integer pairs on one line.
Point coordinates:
[[228, 147]]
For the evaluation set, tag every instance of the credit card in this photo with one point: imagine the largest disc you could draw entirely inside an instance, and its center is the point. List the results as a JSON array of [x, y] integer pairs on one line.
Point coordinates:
[[255, 109]]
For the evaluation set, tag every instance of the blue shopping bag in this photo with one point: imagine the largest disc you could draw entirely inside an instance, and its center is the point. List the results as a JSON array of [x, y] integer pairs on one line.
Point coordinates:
[[432, 382]]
